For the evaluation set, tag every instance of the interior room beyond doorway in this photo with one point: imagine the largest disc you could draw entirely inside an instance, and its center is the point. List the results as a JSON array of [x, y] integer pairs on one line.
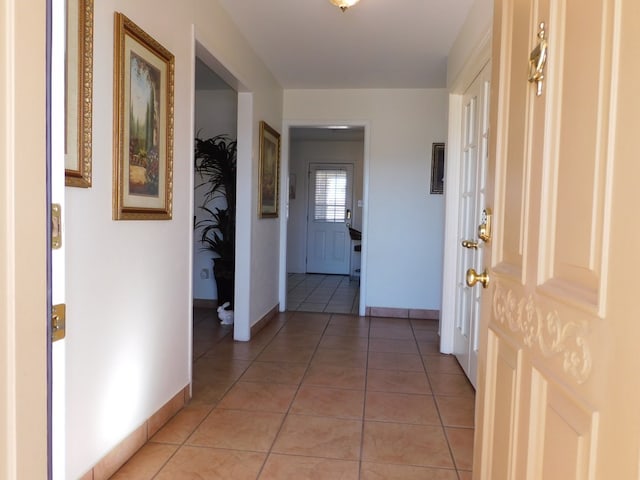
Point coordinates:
[[317, 220]]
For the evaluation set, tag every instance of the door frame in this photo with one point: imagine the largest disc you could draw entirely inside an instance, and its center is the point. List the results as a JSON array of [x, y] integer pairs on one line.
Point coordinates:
[[284, 203], [245, 133], [477, 60], [23, 299]]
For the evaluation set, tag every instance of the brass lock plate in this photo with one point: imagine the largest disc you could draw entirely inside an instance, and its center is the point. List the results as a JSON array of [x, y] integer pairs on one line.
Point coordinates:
[[56, 226], [58, 322], [484, 230]]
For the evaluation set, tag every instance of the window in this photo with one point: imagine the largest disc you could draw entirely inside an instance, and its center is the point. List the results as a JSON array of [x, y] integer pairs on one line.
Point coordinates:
[[330, 195]]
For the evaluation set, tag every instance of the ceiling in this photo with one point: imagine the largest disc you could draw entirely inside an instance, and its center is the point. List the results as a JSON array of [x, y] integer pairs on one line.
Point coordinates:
[[311, 44]]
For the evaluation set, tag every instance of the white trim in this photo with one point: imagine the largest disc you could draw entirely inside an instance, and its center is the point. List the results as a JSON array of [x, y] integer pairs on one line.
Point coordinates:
[[478, 58], [244, 202], [244, 216], [192, 109], [284, 217], [452, 210]]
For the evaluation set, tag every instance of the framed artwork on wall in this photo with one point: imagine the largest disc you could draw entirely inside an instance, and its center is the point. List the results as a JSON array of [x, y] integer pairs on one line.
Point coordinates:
[[143, 125], [437, 168], [269, 180], [79, 93]]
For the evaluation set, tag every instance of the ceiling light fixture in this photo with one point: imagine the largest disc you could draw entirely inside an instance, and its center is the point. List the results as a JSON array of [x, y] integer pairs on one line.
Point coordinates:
[[344, 4]]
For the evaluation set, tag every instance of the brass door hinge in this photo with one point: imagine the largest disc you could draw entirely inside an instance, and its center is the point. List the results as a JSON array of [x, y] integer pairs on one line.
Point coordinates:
[[56, 226], [58, 322]]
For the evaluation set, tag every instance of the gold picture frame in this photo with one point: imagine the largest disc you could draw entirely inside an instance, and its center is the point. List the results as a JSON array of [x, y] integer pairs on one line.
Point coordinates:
[[79, 93], [143, 125], [269, 184]]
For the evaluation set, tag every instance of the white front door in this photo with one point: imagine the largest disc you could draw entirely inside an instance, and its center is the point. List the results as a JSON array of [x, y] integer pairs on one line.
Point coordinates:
[[558, 385], [474, 149], [328, 214]]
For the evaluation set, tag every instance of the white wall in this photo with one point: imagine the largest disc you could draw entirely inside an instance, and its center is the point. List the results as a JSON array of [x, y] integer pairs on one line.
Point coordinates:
[[129, 282], [404, 223], [216, 113], [301, 154]]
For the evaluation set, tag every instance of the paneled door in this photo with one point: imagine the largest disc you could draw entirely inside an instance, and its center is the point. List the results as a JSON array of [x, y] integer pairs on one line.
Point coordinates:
[[474, 152], [329, 212], [558, 385]]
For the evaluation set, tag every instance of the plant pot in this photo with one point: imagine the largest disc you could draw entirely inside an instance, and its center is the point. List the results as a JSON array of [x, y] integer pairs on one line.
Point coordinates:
[[224, 273]]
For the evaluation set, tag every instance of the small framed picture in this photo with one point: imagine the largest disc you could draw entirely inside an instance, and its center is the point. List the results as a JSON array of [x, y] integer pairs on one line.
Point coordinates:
[[143, 125], [437, 168], [269, 172]]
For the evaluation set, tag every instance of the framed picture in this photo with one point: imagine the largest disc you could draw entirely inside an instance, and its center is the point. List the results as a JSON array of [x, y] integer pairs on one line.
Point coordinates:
[[143, 125], [269, 172], [437, 168], [79, 93]]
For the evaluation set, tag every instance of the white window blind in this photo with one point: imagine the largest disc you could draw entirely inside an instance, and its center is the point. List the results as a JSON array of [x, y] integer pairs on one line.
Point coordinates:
[[331, 195]]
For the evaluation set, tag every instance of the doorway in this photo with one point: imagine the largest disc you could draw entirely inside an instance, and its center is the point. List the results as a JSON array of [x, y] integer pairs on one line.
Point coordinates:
[[325, 199], [216, 113]]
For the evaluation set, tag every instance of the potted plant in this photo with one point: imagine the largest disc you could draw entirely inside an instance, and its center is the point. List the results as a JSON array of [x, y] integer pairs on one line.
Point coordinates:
[[215, 162]]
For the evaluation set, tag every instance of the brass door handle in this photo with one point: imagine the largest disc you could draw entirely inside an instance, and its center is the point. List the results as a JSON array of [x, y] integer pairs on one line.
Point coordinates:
[[470, 244], [474, 277]]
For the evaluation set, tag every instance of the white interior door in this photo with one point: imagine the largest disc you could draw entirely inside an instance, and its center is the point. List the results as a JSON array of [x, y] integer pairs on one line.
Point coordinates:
[[474, 150], [329, 212], [558, 383]]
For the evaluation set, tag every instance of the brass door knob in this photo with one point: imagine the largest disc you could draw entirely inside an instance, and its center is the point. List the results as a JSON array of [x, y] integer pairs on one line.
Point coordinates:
[[474, 277], [470, 244]]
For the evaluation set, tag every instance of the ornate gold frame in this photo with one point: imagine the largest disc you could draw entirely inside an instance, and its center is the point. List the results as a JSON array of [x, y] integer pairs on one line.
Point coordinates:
[[269, 180], [130, 40], [79, 86]]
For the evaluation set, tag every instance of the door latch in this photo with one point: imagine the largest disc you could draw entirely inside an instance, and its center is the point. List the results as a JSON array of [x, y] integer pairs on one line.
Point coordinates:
[[56, 226], [484, 229], [58, 322]]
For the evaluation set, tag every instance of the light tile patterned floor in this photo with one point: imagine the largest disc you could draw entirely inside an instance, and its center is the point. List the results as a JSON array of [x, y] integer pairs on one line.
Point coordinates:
[[317, 396], [322, 293]]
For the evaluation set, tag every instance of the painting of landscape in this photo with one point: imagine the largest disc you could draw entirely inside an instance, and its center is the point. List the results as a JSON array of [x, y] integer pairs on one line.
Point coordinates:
[[144, 121]]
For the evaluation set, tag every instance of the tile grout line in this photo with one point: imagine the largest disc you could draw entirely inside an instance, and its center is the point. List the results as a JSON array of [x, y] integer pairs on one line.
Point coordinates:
[[182, 444], [270, 339], [286, 414], [437, 405], [364, 403], [215, 405]]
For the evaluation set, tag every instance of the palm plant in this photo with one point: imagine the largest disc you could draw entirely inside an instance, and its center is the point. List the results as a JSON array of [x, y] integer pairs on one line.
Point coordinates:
[[215, 162]]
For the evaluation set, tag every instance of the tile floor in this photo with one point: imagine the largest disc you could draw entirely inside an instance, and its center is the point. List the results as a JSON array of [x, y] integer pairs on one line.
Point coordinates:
[[317, 396], [322, 293]]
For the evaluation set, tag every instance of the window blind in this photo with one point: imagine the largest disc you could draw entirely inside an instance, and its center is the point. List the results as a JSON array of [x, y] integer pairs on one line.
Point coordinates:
[[330, 195]]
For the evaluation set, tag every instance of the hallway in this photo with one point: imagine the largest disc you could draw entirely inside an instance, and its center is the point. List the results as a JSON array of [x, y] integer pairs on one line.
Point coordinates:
[[316, 395]]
